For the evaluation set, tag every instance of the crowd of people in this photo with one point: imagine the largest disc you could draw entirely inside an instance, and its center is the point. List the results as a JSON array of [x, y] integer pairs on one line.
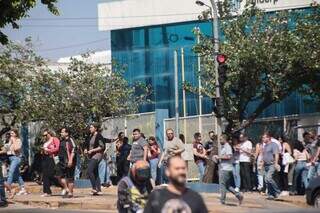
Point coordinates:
[[274, 166]]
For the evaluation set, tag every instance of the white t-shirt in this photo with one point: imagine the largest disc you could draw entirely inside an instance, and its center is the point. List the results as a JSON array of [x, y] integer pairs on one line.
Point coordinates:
[[244, 157]]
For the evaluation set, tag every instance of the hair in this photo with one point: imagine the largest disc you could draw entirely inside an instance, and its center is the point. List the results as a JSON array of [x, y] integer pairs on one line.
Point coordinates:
[[96, 126], [284, 138], [152, 138], [16, 131], [182, 138], [298, 146], [225, 137], [136, 130], [50, 132], [211, 132], [305, 134], [243, 134], [169, 161], [125, 140], [169, 129], [267, 133], [120, 133], [196, 135], [67, 130]]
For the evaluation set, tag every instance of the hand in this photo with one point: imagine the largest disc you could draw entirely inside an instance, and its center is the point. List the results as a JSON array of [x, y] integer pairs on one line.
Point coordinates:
[[70, 163], [85, 151], [90, 152], [277, 167]]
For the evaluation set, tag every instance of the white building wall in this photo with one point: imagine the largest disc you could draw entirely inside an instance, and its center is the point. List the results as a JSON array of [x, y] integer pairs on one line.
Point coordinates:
[[121, 14]]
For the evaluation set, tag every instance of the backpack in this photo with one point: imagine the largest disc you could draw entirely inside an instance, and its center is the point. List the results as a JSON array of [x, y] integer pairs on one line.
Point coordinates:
[[137, 201]]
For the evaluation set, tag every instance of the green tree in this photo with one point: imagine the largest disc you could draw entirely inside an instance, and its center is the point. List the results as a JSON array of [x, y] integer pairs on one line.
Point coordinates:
[[12, 11], [30, 91], [270, 55]]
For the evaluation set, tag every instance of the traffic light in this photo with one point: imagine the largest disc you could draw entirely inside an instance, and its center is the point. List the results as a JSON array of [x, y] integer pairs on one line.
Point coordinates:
[[222, 68]]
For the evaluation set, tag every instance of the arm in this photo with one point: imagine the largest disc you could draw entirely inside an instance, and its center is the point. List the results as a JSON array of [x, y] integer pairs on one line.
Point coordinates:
[[196, 153], [225, 157], [182, 149], [145, 153], [288, 148], [257, 151]]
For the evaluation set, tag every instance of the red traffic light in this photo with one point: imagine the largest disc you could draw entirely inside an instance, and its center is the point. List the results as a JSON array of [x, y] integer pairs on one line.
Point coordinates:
[[221, 58]]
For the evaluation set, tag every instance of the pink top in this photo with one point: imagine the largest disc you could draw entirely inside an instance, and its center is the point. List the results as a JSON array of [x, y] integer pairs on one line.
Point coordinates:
[[52, 148]]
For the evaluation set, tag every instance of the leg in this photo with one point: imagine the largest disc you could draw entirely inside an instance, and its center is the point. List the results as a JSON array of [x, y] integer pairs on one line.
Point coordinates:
[[271, 184], [236, 175], [201, 169], [3, 200], [153, 168], [223, 186], [96, 173], [91, 173], [102, 171]]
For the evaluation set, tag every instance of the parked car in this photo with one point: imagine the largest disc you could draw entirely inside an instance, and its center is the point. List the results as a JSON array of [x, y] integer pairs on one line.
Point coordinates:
[[313, 192]]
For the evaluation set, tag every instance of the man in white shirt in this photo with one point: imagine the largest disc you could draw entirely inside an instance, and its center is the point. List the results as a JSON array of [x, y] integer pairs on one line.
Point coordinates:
[[245, 150]]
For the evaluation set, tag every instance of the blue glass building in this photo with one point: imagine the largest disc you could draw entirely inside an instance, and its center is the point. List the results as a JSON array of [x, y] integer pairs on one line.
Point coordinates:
[[148, 54]]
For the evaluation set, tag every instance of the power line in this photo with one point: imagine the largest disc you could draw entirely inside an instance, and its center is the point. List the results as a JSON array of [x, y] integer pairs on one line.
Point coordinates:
[[72, 45], [108, 17]]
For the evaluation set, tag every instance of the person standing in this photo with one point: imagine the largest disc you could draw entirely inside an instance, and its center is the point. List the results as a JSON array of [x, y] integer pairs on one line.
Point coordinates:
[[286, 161], [123, 151], [270, 162], [14, 153], [199, 154], [139, 148], [173, 146], [49, 160], [94, 149], [245, 150], [67, 163], [211, 171], [226, 171], [236, 163], [175, 197], [259, 165], [153, 157]]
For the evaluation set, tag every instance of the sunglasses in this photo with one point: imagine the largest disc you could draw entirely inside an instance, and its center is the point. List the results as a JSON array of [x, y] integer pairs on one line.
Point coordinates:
[[45, 135]]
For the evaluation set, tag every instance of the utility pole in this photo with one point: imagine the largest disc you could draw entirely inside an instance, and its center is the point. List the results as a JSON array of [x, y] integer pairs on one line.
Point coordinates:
[[199, 83], [183, 93], [176, 90]]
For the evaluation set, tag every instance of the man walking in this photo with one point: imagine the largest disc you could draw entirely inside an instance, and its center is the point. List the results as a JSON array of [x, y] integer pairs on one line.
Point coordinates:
[[226, 171], [176, 197], [270, 158], [211, 171]]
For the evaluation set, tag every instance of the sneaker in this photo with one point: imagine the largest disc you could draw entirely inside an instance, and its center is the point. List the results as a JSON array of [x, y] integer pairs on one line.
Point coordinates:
[[237, 189], [223, 202], [270, 197], [64, 192], [284, 193], [240, 198], [22, 192], [45, 195]]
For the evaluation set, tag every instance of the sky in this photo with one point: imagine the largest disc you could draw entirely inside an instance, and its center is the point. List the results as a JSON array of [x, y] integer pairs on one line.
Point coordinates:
[[74, 32]]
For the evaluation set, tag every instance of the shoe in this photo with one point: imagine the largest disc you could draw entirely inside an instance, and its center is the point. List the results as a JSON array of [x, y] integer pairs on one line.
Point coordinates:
[[45, 195], [240, 198], [64, 192], [270, 197], [237, 189], [223, 202], [22, 192], [284, 193]]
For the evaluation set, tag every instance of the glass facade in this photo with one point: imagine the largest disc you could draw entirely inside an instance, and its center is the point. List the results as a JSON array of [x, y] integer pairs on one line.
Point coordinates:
[[147, 53]]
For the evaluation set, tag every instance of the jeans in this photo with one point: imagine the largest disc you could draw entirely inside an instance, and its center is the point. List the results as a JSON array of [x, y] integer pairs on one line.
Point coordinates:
[[236, 175], [2, 191], [154, 168], [272, 186], [313, 172], [260, 178], [104, 172], [300, 170], [201, 168], [93, 173], [225, 184], [77, 170], [14, 172]]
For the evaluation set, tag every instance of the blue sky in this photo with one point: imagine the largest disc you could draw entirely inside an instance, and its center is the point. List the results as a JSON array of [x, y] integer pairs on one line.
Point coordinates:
[[60, 36]]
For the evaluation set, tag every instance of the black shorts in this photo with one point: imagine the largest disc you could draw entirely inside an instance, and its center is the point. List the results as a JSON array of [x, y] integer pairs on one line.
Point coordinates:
[[65, 172]]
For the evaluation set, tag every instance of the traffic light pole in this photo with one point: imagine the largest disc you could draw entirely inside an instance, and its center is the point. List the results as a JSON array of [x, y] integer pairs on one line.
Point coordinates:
[[215, 32]]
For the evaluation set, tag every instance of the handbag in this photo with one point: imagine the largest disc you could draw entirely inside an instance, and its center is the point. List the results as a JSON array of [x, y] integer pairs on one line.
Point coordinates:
[[287, 159]]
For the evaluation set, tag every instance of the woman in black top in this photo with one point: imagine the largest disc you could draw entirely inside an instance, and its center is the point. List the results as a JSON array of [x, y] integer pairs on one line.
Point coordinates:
[[94, 148], [123, 150]]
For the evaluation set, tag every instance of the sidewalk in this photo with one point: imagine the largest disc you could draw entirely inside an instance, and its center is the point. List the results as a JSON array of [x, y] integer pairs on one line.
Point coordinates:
[[83, 200]]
